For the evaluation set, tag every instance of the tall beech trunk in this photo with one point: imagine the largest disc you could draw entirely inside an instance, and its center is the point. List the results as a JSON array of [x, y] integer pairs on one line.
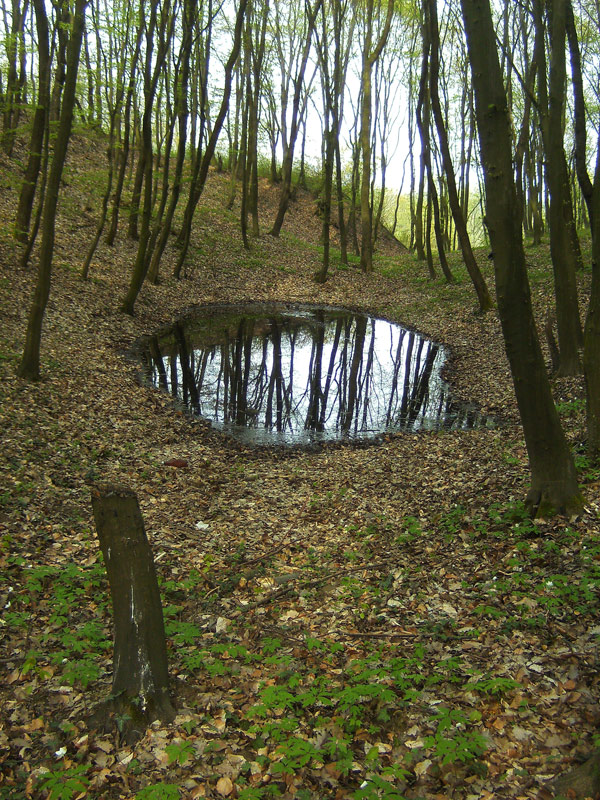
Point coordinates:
[[433, 207], [243, 156], [203, 160], [14, 45], [551, 107], [60, 70], [370, 56], [161, 29], [140, 684], [123, 157], [591, 193], [288, 158], [36, 143], [182, 112], [332, 80], [115, 111], [29, 366], [258, 55], [553, 478], [483, 295]]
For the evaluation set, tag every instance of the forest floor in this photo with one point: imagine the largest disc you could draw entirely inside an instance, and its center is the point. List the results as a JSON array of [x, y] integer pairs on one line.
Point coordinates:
[[346, 622]]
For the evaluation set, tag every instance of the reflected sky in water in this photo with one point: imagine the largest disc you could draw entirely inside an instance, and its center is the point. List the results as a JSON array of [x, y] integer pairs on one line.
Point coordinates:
[[275, 375]]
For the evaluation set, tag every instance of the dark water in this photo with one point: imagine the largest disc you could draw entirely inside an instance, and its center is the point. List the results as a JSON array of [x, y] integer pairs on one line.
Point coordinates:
[[280, 375]]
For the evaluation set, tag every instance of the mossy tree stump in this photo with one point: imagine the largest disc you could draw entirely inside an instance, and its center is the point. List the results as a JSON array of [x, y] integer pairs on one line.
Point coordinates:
[[140, 687]]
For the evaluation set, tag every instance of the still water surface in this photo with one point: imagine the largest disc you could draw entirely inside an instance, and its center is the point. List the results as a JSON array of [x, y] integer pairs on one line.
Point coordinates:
[[281, 375]]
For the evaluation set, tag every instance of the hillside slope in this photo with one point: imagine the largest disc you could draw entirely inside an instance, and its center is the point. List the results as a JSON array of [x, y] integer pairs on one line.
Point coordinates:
[[405, 566]]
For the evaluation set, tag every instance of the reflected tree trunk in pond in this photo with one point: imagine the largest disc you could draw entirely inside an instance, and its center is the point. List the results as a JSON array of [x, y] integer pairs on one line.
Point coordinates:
[[421, 385], [406, 388], [159, 364], [367, 384], [321, 374], [189, 388], [174, 376], [330, 371], [313, 415], [275, 384], [353, 378], [397, 361]]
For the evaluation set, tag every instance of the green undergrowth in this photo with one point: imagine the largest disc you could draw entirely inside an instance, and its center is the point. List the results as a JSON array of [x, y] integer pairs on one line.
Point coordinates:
[[369, 715]]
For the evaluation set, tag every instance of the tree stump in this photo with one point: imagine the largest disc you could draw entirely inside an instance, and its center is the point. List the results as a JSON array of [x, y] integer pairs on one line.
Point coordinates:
[[580, 783], [140, 687]]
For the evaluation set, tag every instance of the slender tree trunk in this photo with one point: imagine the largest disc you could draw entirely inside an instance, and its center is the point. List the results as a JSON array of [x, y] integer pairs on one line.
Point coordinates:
[[138, 183], [60, 71], [258, 54], [591, 193], [29, 366], [288, 159], [36, 144], [554, 486], [423, 107], [243, 160], [370, 56], [182, 110], [340, 203], [204, 162], [551, 121], [483, 296], [151, 76], [14, 83], [124, 153]]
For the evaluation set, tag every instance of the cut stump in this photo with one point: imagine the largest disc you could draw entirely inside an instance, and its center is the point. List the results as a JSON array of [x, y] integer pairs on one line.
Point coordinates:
[[140, 687], [580, 783]]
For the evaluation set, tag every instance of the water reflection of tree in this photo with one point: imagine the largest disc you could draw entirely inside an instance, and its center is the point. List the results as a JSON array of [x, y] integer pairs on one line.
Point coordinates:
[[352, 385]]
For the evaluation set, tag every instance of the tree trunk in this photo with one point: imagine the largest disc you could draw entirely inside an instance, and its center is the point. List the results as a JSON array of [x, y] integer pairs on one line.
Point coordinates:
[[370, 56], [29, 366], [182, 111], [580, 782], [591, 193], [433, 209], [124, 154], [62, 27], [140, 684], [203, 161], [14, 82], [554, 486], [551, 124], [483, 296], [288, 159], [36, 143], [164, 34]]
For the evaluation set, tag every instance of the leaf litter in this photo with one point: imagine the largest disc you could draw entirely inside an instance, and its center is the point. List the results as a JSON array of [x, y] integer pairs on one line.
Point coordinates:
[[348, 622]]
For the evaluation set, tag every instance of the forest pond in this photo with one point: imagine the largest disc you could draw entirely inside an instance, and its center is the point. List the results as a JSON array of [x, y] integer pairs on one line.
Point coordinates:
[[277, 374]]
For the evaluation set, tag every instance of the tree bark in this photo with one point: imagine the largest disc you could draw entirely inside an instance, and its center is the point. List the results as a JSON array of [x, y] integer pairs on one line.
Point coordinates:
[[29, 366], [203, 161], [36, 144], [370, 56], [578, 783], [550, 105], [483, 296], [15, 82], [591, 193], [182, 111], [433, 208], [140, 684], [554, 486], [164, 33], [288, 159]]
